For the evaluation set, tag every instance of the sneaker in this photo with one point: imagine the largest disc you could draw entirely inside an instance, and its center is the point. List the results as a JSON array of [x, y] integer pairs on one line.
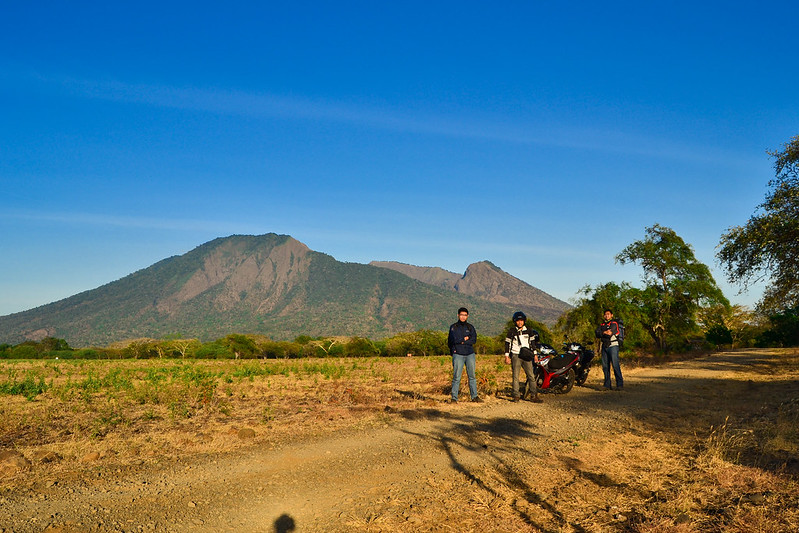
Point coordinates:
[[452, 400], [514, 398], [477, 399]]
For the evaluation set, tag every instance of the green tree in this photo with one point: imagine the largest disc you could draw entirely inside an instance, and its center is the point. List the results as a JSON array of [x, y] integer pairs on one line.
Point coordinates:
[[52, 344], [580, 322], [766, 248], [241, 346], [735, 325], [783, 330], [677, 285], [422, 342], [360, 347]]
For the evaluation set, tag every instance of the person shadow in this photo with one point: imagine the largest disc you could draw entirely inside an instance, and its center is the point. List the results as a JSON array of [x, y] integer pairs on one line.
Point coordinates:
[[285, 524]]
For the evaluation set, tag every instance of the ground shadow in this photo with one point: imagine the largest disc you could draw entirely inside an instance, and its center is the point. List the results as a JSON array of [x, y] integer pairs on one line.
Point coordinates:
[[680, 407], [285, 524], [507, 435]]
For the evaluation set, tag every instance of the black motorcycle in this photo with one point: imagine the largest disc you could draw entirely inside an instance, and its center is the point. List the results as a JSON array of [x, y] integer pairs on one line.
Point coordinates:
[[583, 365]]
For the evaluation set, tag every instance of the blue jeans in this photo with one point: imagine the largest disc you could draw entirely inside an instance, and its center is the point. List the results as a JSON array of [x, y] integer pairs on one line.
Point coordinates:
[[610, 356], [458, 362]]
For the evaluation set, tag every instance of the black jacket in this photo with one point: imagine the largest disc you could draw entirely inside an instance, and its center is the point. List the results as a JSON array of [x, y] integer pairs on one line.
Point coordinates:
[[456, 340]]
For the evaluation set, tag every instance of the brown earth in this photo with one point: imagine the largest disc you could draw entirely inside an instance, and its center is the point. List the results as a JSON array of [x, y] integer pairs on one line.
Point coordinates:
[[688, 446]]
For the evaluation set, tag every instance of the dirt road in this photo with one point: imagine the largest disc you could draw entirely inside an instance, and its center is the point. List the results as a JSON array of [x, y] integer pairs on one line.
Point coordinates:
[[591, 460]]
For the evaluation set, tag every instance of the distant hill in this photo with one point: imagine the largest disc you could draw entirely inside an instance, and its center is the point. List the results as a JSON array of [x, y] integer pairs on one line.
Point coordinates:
[[268, 284], [487, 281]]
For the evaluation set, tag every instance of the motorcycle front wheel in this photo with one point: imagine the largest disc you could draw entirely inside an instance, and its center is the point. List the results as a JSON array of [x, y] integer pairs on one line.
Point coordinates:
[[581, 378], [566, 383]]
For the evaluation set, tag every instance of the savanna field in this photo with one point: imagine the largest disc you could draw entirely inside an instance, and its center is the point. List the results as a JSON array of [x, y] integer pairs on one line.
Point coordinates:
[[708, 444]]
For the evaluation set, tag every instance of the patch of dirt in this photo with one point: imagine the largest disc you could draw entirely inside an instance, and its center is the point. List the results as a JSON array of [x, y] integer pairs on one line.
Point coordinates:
[[591, 460]]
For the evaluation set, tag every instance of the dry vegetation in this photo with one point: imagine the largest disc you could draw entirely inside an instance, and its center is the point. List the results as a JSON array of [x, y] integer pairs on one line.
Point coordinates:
[[684, 457], [134, 408]]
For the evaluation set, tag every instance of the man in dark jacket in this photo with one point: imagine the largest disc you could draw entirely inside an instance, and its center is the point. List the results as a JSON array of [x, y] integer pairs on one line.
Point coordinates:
[[462, 337], [608, 332]]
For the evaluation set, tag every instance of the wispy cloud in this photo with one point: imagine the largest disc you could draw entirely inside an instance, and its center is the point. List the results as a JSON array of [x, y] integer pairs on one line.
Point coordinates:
[[129, 222], [500, 128]]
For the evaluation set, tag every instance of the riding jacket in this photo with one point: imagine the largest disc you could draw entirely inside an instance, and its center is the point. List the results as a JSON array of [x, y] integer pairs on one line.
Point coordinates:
[[518, 337], [608, 331], [457, 342]]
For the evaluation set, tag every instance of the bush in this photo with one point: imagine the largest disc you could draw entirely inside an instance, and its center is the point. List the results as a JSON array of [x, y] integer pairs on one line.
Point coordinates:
[[24, 351]]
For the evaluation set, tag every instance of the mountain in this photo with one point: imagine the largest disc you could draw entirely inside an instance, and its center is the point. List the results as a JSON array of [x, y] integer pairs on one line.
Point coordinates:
[[268, 284], [487, 281]]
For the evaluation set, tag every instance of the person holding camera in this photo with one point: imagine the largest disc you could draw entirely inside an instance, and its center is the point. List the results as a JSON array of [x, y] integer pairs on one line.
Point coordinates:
[[609, 332], [520, 350]]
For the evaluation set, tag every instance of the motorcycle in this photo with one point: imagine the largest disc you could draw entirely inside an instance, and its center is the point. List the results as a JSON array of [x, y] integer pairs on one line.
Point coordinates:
[[583, 366], [555, 373]]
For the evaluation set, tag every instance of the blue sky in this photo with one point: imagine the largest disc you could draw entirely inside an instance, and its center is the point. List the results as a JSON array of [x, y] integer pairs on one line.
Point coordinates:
[[541, 136]]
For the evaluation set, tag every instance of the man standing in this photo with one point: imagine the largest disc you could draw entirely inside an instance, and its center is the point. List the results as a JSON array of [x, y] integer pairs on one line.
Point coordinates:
[[517, 338], [609, 332], [462, 337]]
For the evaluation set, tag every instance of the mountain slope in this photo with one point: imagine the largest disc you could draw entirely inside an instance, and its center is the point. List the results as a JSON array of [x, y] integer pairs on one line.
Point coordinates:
[[487, 281], [268, 284]]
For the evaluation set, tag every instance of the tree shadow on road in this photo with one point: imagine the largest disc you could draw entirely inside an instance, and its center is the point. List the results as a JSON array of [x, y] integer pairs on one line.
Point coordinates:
[[498, 438]]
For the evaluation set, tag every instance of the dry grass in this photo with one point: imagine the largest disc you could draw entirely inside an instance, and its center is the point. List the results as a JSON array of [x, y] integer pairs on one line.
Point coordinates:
[[139, 408], [739, 473]]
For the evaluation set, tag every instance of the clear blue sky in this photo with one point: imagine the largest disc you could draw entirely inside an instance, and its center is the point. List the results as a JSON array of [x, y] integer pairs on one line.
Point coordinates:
[[541, 136]]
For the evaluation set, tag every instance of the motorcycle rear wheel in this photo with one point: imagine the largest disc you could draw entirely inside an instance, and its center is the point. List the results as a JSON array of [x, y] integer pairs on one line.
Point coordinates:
[[567, 383]]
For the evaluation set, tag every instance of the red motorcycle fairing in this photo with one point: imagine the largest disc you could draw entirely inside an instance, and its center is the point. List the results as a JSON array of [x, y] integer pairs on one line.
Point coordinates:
[[565, 362]]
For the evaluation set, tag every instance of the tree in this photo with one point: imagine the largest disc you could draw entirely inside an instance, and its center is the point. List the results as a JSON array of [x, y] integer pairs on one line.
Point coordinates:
[[360, 347], [241, 346], [735, 325], [767, 247], [677, 285], [580, 322], [783, 331]]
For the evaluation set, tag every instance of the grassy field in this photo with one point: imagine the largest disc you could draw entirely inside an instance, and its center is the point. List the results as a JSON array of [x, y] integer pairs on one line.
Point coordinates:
[[680, 474], [134, 408]]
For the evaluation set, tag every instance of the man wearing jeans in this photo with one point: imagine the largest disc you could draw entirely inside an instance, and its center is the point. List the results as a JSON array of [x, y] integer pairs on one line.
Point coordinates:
[[462, 337], [608, 332]]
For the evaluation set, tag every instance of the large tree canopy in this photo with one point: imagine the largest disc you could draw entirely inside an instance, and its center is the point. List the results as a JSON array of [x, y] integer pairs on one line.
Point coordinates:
[[767, 247], [677, 284]]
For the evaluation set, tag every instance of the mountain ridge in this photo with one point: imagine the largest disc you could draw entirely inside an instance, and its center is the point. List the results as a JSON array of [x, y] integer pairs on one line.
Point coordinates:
[[266, 284], [486, 280]]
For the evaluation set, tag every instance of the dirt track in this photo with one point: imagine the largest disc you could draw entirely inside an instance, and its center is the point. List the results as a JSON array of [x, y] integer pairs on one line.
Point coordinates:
[[497, 466]]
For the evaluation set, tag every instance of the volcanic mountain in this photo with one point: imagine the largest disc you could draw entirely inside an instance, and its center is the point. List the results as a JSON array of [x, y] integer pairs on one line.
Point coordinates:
[[267, 284], [489, 282]]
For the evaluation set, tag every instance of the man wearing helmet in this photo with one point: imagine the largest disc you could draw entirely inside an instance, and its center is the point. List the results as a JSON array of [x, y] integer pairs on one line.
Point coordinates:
[[520, 336]]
